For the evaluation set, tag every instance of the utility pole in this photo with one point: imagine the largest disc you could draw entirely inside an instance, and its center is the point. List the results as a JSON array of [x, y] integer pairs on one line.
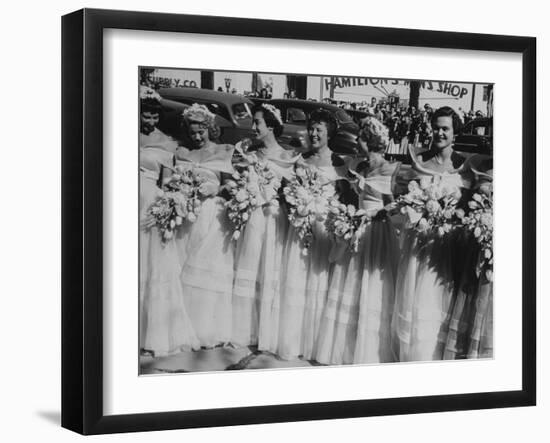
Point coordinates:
[[414, 93]]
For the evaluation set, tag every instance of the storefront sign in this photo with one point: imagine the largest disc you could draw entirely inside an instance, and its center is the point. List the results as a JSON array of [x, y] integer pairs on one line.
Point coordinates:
[[448, 88]]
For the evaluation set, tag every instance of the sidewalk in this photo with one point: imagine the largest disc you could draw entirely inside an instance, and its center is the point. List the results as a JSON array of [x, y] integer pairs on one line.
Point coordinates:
[[217, 359]]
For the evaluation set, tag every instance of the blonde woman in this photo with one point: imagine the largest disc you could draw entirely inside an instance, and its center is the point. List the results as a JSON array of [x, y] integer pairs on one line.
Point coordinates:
[[356, 324], [205, 249]]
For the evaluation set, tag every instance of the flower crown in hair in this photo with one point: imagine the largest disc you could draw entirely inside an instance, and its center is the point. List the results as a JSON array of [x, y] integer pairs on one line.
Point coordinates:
[[147, 93], [375, 131], [276, 113], [199, 113]]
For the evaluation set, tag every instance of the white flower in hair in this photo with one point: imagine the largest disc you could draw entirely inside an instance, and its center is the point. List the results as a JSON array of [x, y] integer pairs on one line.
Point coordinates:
[[199, 113], [145, 92], [375, 132], [276, 113]]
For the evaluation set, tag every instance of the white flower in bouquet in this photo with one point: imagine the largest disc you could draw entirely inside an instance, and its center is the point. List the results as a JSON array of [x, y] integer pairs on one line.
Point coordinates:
[[308, 201], [425, 182], [346, 223], [250, 188], [413, 186], [486, 219], [430, 206], [479, 221], [486, 189], [423, 225], [184, 186], [167, 213], [241, 195]]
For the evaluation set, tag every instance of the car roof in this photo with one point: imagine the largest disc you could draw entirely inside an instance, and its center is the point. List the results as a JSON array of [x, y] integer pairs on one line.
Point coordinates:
[[204, 94], [173, 104], [308, 103], [481, 119]]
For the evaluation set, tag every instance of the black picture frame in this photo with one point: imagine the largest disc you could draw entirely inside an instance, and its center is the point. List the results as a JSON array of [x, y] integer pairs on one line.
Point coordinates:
[[82, 219]]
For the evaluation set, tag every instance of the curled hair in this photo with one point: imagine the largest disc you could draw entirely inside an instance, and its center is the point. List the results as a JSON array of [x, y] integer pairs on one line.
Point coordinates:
[[375, 133], [272, 117], [149, 105], [149, 100], [447, 111], [200, 115], [323, 116]]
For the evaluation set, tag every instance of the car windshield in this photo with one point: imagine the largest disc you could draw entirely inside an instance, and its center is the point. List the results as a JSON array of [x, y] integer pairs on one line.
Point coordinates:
[[241, 111], [295, 115]]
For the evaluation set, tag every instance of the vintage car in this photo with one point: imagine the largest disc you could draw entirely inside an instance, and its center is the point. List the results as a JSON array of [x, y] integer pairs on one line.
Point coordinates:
[[295, 114], [233, 112], [476, 137]]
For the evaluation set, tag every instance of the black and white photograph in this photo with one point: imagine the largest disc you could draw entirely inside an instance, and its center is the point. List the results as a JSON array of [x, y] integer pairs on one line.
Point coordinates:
[[291, 220]]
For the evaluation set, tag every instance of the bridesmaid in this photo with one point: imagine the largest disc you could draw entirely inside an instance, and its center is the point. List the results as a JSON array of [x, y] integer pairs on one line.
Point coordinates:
[[471, 319], [357, 318], [425, 287], [165, 327], [258, 259], [481, 331], [205, 249], [305, 277]]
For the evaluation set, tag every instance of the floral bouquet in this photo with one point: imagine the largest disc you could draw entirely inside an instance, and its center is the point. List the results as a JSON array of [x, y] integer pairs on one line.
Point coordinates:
[[347, 223], [430, 206], [178, 200], [308, 201], [479, 221], [249, 189], [165, 214], [187, 184]]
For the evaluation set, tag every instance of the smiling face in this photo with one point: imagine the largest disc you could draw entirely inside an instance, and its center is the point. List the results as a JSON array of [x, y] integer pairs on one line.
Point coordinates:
[[198, 133], [260, 127], [318, 135], [148, 122], [443, 133]]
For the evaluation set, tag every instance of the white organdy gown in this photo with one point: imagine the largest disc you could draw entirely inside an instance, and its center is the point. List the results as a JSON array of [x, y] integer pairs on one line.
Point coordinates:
[[424, 293], [305, 281], [164, 324], [258, 260], [356, 326], [207, 251]]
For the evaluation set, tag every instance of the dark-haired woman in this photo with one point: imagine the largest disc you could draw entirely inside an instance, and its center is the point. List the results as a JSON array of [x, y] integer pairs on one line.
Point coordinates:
[[306, 275], [165, 327], [205, 251], [426, 277], [258, 259]]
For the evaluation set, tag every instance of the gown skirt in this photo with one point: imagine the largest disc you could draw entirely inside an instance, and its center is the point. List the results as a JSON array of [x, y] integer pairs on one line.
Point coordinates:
[[207, 274], [165, 326]]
